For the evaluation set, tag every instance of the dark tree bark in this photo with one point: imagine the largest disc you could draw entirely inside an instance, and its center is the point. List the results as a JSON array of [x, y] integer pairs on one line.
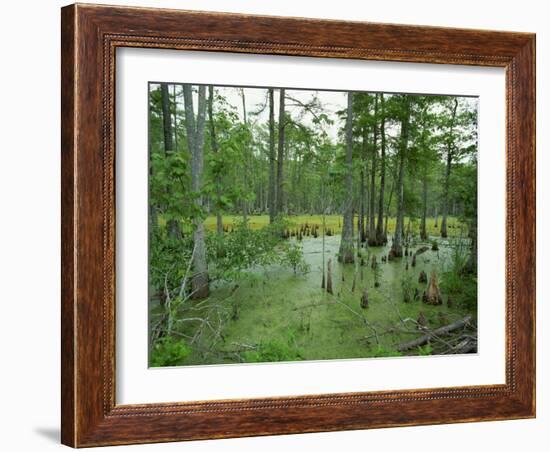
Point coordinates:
[[448, 166], [380, 233], [392, 189], [425, 169], [281, 154], [346, 254], [153, 209], [364, 231], [215, 150], [361, 219], [175, 101], [245, 160], [471, 265], [423, 233], [372, 227], [174, 229], [166, 119], [195, 141], [329, 276], [397, 249], [272, 189], [324, 225]]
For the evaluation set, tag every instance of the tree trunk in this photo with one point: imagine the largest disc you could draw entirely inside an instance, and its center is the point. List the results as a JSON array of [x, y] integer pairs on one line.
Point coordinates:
[[397, 249], [329, 276], [324, 225], [215, 150], [471, 265], [272, 192], [357, 261], [364, 188], [446, 195], [281, 153], [392, 188], [153, 209], [195, 140], [245, 162], [448, 172], [380, 235], [166, 119], [173, 226], [423, 234], [372, 226], [346, 254], [361, 219], [175, 100]]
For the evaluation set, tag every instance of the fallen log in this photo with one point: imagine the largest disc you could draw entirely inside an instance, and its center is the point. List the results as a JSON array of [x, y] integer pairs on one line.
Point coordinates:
[[421, 250], [465, 346], [443, 331]]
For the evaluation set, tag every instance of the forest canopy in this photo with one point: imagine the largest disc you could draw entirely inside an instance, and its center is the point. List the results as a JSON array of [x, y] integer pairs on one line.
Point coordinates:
[[291, 224]]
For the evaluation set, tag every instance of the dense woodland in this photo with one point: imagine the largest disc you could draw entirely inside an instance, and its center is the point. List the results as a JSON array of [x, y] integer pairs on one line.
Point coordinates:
[[292, 224]]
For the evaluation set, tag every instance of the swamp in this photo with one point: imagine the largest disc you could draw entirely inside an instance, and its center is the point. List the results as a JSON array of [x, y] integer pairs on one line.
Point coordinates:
[[294, 224]]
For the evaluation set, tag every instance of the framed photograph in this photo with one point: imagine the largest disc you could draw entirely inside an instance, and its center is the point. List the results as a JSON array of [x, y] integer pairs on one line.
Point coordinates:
[[280, 225]]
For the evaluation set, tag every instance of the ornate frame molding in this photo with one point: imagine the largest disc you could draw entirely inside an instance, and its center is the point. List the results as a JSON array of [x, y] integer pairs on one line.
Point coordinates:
[[90, 37]]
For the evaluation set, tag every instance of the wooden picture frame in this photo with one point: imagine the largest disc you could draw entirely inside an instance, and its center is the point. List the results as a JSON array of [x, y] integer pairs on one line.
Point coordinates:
[[90, 36]]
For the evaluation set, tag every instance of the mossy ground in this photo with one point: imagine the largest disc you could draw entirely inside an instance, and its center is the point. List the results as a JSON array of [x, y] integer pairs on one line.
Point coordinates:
[[289, 317]]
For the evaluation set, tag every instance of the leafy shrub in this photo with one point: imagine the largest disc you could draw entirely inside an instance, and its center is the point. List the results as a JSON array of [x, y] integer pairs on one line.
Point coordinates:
[[425, 350], [460, 253], [463, 288], [274, 350], [294, 257], [455, 281], [168, 259], [168, 185], [168, 351], [408, 286], [382, 352], [245, 248]]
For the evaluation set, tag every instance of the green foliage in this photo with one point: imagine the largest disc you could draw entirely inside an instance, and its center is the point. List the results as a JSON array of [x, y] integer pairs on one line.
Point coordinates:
[[383, 352], [408, 285], [240, 174], [229, 164], [245, 248], [168, 185], [168, 259], [294, 257], [377, 274], [462, 287], [455, 281], [424, 350], [465, 181], [276, 350], [168, 351], [459, 255]]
